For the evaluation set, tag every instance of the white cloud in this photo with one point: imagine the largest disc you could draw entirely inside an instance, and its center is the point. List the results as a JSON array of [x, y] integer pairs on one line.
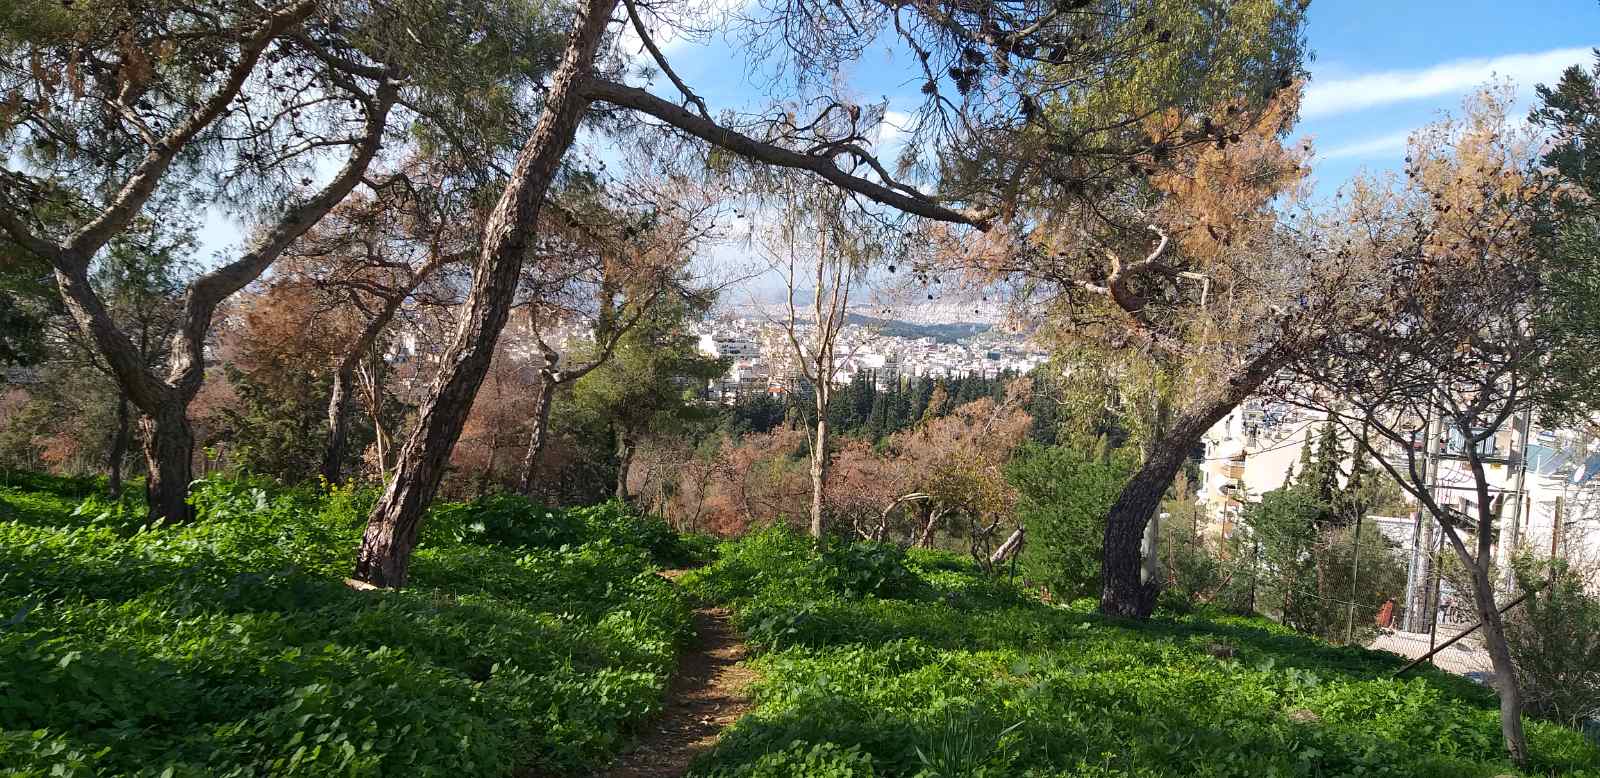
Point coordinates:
[[1345, 95], [893, 128], [1392, 144]]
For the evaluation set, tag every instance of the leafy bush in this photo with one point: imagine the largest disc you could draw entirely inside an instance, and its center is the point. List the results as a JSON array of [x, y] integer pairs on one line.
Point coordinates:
[[233, 647], [770, 559], [514, 521], [780, 564], [954, 681], [866, 569], [1300, 572], [1064, 493], [506, 520], [1554, 639], [616, 519]]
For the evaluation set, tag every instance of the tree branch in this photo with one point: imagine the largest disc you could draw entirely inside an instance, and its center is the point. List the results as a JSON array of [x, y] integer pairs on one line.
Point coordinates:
[[661, 61], [141, 184], [640, 100], [211, 289]]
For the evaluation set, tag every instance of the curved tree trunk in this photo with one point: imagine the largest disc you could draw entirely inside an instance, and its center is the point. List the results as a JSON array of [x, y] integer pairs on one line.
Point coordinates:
[[1494, 634], [536, 436], [1124, 588], [1505, 671], [120, 440], [169, 455], [339, 401], [163, 403], [391, 534]]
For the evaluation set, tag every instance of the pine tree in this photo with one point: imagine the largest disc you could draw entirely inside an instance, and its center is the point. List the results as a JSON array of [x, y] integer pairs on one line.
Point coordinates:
[[1329, 454], [877, 419], [968, 389], [938, 402], [905, 410], [1318, 479]]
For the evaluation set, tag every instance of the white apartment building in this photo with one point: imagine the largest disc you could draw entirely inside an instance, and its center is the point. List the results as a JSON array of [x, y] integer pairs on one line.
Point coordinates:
[[1548, 484], [1250, 453]]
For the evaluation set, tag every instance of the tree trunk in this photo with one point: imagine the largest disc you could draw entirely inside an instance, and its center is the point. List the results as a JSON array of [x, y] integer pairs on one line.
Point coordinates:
[[371, 374], [1494, 634], [1505, 672], [1124, 590], [169, 454], [339, 401], [119, 446], [536, 436], [391, 534], [625, 449], [339, 420], [930, 519], [819, 470]]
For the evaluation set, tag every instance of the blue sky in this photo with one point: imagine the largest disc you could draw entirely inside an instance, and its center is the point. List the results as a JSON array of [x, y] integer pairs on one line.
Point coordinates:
[[1381, 69], [1384, 69]]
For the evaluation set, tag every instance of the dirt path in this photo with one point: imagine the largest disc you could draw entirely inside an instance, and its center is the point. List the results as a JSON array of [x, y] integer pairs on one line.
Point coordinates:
[[707, 695]]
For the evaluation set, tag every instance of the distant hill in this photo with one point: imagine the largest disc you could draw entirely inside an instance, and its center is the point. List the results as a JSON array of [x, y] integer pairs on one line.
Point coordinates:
[[942, 333]]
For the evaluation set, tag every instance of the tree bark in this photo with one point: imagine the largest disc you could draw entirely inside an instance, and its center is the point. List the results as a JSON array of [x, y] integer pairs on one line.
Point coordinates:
[[1124, 590], [119, 446], [819, 468], [339, 402], [1494, 634], [536, 436], [1505, 671], [625, 448], [930, 520], [169, 455], [385, 553]]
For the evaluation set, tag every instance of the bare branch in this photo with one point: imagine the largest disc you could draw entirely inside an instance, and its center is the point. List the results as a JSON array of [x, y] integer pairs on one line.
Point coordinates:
[[640, 100]]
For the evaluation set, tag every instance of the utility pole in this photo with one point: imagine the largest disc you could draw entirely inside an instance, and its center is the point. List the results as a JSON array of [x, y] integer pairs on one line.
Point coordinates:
[[1508, 540], [1355, 579], [1412, 571], [1417, 596]]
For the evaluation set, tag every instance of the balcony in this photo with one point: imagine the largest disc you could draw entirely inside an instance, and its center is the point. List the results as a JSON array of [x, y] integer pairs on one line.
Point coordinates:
[[1488, 449]]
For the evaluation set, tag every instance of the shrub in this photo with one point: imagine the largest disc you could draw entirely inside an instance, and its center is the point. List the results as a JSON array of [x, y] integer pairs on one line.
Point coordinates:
[[506, 520], [774, 558], [1299, 572], [818, 760], [1554, 637], [616, 519], [867, 569], [232, 646], [1064, 493]]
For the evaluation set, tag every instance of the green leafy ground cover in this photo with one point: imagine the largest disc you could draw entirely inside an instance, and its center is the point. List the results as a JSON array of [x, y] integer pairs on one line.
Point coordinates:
[[875, 663], [232, 647]]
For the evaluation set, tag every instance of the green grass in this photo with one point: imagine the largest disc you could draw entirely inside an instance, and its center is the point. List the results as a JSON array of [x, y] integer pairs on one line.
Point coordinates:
[[960, 675], [232, 647]]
